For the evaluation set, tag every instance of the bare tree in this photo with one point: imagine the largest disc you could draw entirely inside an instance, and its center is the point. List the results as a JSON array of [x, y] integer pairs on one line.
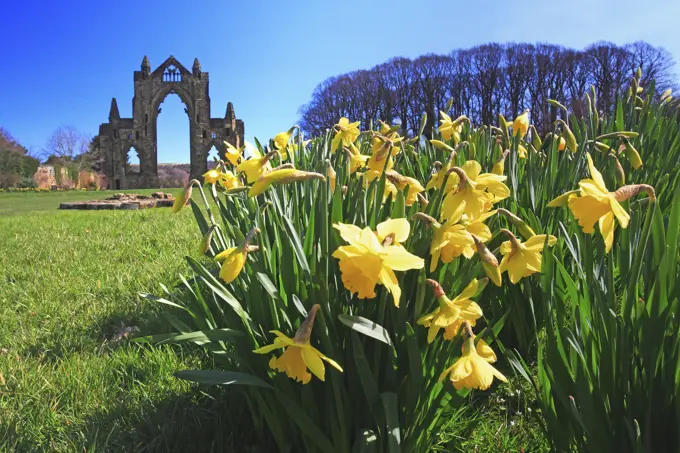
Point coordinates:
[[68, 144], [484, 81]]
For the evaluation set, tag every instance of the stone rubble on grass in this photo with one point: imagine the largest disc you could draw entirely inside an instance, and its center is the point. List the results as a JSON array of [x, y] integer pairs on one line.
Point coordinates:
[[124, 201]]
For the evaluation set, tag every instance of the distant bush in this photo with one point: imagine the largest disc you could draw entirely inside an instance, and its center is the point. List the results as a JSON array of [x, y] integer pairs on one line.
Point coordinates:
[[15, 163]]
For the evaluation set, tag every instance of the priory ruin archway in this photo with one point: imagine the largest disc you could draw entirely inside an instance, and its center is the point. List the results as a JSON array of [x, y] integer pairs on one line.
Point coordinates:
[[139, 132]]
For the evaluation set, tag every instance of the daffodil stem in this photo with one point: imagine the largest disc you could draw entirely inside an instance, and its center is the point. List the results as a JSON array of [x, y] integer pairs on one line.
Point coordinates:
[[461, 176], [468, 328], [436, 288], [511, 237]]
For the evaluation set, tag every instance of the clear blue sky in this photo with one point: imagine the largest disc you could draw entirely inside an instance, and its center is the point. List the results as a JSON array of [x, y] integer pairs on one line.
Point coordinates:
[[63, 61]]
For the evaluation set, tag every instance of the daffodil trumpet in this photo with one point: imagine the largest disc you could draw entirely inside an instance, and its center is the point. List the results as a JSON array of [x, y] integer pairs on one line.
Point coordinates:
[[473, 370], [234, 258]]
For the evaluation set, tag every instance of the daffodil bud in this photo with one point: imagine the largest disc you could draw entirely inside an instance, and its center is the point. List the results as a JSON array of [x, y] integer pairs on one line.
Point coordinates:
[[626, 192], [304, 333], [620, 173], [489, 261], [569, 136], [205, 242], [563, 199], [499, 166], [524, 229], [440, 145], [535, 138], [429, 220], [632, 154], [439, 293]]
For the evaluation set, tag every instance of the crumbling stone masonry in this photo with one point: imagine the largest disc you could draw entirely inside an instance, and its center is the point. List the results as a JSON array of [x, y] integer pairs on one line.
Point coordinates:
[[120, 134]]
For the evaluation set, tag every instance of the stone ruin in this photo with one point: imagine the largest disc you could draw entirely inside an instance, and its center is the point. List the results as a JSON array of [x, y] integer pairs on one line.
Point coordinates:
[[119, 135], [124, 201]]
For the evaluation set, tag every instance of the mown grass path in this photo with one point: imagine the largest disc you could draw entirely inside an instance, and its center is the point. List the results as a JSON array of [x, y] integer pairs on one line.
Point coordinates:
[[68, 281]]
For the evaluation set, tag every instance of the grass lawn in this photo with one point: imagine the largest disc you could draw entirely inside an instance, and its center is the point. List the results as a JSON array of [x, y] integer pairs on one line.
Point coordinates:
[[69, 280]]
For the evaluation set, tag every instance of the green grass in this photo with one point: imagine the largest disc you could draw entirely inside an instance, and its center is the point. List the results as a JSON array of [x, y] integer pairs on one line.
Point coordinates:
[[68, 279]]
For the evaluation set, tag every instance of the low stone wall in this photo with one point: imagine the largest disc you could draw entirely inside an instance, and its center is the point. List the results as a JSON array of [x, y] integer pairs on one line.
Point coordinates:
[[46, 178], [124, 201]]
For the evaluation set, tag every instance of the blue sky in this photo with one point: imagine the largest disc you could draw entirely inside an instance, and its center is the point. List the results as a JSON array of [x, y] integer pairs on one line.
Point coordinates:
[[63, 61]]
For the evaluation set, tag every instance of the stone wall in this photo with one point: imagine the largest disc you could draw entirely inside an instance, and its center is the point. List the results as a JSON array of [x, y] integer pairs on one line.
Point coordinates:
[[46, 178]]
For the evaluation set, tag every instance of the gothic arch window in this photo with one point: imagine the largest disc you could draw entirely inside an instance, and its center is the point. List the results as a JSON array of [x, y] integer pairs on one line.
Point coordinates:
[[172, 74], [214, 135], [132, 163]]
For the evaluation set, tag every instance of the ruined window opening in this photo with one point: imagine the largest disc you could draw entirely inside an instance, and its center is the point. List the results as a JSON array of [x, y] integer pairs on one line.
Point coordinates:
[[130, 136], [146, 131], [172, 74], [228, 132], [205, 134], [132, 162], [198, 118], [146, 117], [214, 135], [115, 133], [137, 135]]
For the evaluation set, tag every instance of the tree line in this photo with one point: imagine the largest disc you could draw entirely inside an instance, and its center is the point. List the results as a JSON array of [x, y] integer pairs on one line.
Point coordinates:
[[484, 81]]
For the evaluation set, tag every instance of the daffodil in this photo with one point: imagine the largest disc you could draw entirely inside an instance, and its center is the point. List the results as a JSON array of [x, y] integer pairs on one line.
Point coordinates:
[[522, 259], [234, 155], [390, 189], [356, 159], [366, 262], [211, 176], [183, 198], [256, 165], [234, 258], [521, 124], [299, 355], [489, 261], [345, 133], [456, 236], [228, 180], [478, 190], [451, 314], [594, 203], [522, 152], [449, 128], [280, 143], [473, 369], [414, 186], [285, 175], [332, 175], [499, 166]]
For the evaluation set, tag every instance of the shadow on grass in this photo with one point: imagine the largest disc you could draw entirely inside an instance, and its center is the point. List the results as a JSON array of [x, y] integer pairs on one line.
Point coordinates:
[[190, 422]]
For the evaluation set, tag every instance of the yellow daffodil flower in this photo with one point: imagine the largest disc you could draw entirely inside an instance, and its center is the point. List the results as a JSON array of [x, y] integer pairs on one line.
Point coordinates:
[[522, 259], [521, 124], [298, 355], [449, 128], [456, 237], [228, 180], [234, 258], [594, 203], [233, 155], [522, 152], [499, 166], [345, 133], [390, 189], [473, 369], [255, 166], [332, 175], [281, 176], [211, 176], [366, 262], [280, 143], [451, 314], [405, 181], [478, 190]]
